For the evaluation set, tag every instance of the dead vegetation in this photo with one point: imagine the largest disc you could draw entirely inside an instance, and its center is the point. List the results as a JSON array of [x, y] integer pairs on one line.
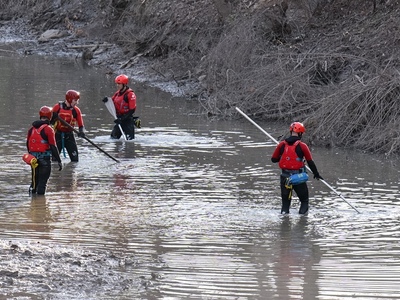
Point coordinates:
[[332, 64]]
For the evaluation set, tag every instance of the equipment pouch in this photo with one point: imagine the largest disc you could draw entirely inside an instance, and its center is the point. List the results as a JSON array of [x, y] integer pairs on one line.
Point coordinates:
[[30, 160], [298, 178]]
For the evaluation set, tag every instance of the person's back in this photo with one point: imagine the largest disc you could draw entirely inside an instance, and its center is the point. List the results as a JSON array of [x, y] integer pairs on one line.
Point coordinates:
[[291, 155], [41, 144]]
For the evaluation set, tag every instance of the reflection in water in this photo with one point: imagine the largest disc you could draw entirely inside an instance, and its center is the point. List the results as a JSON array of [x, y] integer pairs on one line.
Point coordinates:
[[40, 216], [194, 203], [295, 260]]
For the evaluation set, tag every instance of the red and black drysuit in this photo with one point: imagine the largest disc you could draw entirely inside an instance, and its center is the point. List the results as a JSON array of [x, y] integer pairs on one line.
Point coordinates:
[[41, 143], [291, 154], [125, 106], [64, 134]]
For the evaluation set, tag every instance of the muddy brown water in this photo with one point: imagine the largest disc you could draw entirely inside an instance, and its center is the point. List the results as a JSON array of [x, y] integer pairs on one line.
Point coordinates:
[[190, 212]]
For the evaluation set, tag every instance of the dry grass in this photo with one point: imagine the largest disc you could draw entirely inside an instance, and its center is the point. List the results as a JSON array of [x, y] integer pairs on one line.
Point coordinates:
[[335, 67]]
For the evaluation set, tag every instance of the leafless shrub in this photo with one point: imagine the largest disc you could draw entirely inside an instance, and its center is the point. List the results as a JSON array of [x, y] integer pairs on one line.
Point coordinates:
[[362, 114]]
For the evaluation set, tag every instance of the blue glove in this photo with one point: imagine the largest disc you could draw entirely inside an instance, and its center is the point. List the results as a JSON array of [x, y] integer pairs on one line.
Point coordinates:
[[118, 121]]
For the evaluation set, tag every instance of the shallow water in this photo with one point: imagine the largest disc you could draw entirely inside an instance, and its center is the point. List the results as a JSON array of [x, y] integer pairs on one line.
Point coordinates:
[[191, 211]]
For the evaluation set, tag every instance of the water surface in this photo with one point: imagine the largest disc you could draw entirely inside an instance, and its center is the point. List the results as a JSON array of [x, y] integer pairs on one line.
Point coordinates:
[[191, 211]]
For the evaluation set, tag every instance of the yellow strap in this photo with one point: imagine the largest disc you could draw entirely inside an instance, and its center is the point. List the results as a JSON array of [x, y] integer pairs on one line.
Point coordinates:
[[33, 177], [34, 163], [289, 187]]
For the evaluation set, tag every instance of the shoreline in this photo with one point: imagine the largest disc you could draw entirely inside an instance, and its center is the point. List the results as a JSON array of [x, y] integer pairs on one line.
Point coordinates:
[[16, 37]]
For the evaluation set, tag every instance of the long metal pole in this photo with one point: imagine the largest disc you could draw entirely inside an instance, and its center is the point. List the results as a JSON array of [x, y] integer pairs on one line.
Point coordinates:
[[276, 142], [77, 132]]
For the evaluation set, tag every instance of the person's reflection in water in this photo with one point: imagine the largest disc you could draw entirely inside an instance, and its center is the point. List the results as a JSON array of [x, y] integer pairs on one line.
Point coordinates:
[[40, 215], [295, 277], [67, 181]]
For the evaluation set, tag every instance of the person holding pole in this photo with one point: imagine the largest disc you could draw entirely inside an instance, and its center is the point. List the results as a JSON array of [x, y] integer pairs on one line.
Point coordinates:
[[69, 112], [124, 101], [291, 154], [41, 146]]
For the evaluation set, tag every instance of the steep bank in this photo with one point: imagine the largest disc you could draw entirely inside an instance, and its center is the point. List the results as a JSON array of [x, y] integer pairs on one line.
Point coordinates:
[[330, 64]]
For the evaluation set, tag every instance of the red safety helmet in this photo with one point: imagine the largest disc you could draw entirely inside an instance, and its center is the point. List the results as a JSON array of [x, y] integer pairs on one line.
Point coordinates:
[[297, 127], [71, 95], [121, 79], [45, 111]]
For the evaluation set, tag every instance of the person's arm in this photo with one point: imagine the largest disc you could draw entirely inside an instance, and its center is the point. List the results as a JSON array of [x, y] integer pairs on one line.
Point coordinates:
[[313, 168], [79, 118], [54, 116], [27, 138], [53, 146], [132, 101], [276, 155], [310, 162]]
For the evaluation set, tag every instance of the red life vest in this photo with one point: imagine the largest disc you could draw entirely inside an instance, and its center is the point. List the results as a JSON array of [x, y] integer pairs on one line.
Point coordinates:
[[289, 158], [121, 102], [72, 116], [36, 142]]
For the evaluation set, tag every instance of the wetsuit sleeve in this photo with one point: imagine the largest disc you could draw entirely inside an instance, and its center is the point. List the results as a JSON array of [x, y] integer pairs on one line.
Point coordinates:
[[49, 131], [54, 153], [276, 155], [52, 142], [313, 168], [27, 138], [310, 162], [54, 116], [79, 118], [306, 151], [132, 101]]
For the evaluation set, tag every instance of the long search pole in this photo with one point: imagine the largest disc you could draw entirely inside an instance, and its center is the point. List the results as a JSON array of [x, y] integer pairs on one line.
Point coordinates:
[[77, 132], [308, 168]]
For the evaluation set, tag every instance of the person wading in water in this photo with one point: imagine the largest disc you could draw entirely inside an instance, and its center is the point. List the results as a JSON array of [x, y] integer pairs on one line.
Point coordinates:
[[71, 114], [291, 154], [41, 144], [124, 101]]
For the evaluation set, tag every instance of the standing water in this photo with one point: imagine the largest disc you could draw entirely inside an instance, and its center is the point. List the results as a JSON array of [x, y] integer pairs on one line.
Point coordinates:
[[191, 211]]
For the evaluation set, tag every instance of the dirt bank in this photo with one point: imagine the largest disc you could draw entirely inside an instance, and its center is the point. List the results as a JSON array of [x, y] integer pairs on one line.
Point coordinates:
[[330, 64]]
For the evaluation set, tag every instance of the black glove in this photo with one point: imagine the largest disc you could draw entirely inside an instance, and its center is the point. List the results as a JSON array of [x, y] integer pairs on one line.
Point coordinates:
[[118, 121], [81, 132], [60, 166], [105, 99], [317, 176]]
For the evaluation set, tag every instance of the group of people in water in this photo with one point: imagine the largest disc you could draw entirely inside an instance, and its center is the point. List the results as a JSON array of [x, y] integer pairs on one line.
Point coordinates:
[[53, 133]]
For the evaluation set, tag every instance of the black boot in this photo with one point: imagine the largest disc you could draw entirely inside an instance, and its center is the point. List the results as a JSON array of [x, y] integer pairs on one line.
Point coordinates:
[[303, 207]]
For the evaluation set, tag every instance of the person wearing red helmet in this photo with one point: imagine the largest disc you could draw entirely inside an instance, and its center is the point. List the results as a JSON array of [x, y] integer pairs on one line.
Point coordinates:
[[69, 112], [291, 154], [124, 101], [41, 143]]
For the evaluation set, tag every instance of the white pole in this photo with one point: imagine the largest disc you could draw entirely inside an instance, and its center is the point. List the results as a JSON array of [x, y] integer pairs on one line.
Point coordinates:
[[111, 108], [276, 142]]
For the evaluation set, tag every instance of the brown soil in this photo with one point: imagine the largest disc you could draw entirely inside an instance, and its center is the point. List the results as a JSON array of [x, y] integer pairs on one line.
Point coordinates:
[[332, 64]]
